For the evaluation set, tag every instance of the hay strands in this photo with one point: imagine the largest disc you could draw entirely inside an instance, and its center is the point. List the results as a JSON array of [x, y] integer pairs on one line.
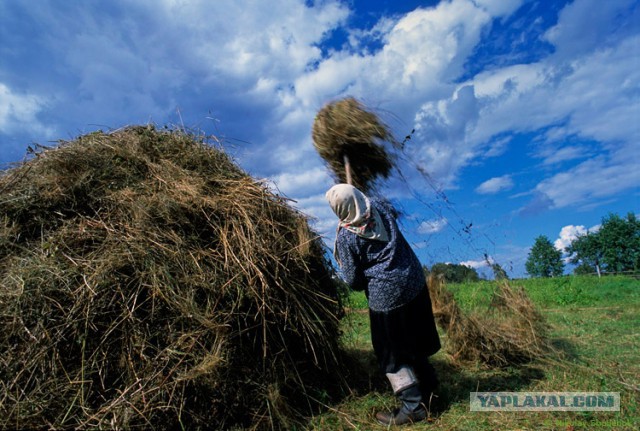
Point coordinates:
[[512, 332], [148, 282], [344, 130]]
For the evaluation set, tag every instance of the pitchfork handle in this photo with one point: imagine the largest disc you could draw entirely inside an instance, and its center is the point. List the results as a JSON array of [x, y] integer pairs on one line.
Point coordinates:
[[347, 169]]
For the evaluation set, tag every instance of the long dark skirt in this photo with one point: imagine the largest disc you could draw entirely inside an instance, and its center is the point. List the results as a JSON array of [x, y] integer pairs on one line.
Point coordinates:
[[405, 336]]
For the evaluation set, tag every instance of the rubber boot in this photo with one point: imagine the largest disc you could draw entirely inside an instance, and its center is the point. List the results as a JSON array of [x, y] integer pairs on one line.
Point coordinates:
[[412, 409]]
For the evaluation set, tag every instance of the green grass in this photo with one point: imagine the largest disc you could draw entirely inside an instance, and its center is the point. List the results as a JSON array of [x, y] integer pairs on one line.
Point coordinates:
[[595, 324]]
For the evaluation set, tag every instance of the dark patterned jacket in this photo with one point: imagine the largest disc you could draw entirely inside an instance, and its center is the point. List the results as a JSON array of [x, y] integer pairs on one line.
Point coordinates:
[[389, 272]]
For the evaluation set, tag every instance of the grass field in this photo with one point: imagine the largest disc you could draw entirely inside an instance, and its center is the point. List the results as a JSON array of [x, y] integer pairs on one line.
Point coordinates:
[[595, 327]]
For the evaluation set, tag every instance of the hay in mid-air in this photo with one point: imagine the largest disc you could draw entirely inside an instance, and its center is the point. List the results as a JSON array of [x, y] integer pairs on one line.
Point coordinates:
[[146, 282], [346, 128]]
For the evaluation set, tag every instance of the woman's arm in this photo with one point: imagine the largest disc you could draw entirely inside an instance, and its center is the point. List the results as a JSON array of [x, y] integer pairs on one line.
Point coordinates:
[[350, 267]]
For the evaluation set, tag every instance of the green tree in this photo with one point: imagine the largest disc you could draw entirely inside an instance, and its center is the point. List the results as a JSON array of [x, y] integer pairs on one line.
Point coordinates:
[[455, 273], [544, 259], [620, 239], [615, 247], [583, 269], [586, 252]]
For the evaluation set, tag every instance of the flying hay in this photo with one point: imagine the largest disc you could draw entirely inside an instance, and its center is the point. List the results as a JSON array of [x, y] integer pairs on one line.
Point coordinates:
[[346, 128], [513, 332], [146, 282]]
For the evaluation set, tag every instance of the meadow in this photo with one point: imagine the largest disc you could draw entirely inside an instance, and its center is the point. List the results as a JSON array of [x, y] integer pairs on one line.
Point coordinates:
[[595, 329]]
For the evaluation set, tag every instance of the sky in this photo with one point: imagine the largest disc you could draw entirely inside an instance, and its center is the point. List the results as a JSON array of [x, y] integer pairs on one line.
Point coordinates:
[[524, 115]]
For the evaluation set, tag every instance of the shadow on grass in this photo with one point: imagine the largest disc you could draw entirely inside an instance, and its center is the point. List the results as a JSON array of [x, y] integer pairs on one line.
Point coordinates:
[[565, 350], [456, 381]]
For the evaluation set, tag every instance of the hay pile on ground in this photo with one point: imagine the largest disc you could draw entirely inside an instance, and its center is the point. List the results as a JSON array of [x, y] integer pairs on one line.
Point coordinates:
[[147, 282], [512, 332], [346, 128]]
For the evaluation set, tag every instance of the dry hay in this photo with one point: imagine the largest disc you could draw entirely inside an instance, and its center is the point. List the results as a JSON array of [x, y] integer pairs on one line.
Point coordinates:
[[147, 282], [346, 128], [512, 332]]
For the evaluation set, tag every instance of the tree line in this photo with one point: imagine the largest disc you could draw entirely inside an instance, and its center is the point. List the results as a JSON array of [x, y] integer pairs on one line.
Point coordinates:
[[613, 248], [458, 273]]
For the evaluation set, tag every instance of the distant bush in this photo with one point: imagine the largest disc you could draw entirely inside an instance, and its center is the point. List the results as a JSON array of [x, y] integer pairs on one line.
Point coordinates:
[[454, 273]]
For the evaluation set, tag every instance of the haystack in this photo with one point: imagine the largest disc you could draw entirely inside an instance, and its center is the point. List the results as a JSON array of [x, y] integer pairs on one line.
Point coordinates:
[[511, 332], [148, 282], [347, 128]]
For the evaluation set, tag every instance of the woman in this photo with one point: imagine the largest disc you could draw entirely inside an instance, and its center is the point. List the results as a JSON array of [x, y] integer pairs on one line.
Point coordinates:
[[375, 257]]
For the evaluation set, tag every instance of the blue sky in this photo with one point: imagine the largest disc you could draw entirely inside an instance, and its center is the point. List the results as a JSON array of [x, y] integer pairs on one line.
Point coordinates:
[[526, 113]]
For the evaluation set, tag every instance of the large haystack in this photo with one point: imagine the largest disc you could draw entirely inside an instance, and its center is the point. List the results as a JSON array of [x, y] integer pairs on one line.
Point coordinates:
[[511, 332], [147, 282], [346, 128]]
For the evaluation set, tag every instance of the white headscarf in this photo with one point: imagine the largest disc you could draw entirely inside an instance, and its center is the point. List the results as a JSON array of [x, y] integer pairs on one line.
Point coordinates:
[[356, 213]]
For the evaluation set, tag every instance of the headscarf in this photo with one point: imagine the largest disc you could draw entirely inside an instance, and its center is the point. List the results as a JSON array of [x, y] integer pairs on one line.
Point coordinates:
[[356, 213]]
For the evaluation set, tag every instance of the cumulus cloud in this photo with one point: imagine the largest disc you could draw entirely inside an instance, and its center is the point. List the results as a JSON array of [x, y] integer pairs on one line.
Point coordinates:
[[134, 62], [19, 111], [432, 226], [530, 97], [324, 221], [431, 45], [569, 233], [589, 94], [477, 264], [303, 183], [444, 126], [585, 24], [420, 55], [261, 72], [495, 185], [250, 39]]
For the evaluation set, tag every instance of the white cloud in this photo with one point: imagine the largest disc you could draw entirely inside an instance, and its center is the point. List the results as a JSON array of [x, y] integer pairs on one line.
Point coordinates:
[[585, 24], [261, 61], [593, 180], [444, 125], [140, 62], [569, 233], [563, 154], [422, 53], [508, 81], [432, 226], [499, 7], [431, 45], [253, 38], [495, 185], [476, 264], [497, 147], [143, 61], [333, 77], [19, 111], [593, 97], [303, 183], [325, 221]]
